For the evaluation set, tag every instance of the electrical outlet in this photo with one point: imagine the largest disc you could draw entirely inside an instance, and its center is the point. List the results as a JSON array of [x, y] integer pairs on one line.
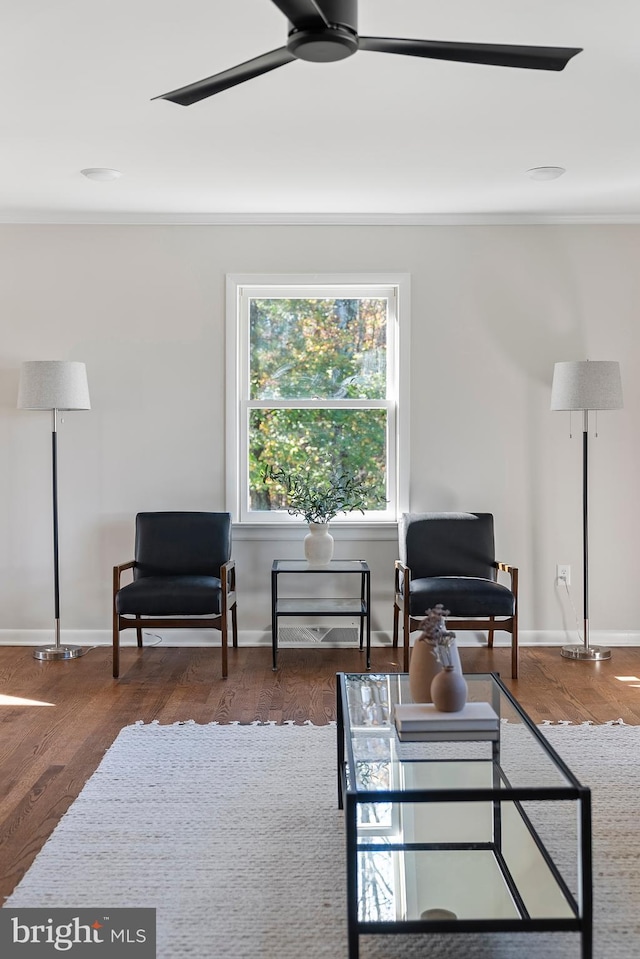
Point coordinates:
[[563, 574]]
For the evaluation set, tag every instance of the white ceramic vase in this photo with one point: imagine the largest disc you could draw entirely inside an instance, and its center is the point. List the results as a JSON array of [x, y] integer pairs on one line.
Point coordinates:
[[318, 545]]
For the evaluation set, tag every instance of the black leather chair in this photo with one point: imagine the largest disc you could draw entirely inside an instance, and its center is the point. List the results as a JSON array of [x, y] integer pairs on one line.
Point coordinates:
[[449, 558], [183, 578]]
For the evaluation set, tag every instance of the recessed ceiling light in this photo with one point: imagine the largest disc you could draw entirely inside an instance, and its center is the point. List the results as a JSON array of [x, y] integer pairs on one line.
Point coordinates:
[[100, 173], [546, 172]]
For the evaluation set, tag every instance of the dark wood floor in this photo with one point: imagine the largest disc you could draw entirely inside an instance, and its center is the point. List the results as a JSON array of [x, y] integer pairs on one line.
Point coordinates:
[[47, 752]]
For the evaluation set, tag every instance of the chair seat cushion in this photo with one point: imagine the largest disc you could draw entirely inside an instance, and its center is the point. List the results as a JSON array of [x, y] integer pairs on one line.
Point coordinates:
[[462, 595], [170, 596]]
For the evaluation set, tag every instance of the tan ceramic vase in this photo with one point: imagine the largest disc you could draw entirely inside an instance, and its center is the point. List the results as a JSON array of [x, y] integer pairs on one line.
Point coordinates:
[[449, 690], [423, 667]]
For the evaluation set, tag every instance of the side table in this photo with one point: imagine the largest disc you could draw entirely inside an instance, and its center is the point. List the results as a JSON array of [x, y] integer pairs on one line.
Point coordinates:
[[359, 606]]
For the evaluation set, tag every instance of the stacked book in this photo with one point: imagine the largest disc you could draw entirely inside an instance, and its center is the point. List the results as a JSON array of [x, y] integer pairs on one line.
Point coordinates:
[[422, 721]]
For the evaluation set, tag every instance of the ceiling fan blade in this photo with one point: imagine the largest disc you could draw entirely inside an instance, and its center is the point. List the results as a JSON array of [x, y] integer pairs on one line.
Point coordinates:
[[303, 14], [495, 54], [202, 89]]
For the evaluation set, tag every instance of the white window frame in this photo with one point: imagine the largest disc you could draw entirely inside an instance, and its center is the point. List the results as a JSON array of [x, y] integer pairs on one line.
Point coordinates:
[[239, 289]]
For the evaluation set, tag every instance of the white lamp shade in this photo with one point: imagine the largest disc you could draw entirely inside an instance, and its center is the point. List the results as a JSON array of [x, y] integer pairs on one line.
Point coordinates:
[[587, 385], [53, 385]]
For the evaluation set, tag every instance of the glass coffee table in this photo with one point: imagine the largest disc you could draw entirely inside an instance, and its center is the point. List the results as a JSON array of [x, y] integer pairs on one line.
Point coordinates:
[[490, 834]]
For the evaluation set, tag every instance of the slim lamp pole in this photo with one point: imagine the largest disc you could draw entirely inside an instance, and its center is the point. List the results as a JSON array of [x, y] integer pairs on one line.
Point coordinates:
[[57, 651], [586, 385], [55, 385], [56, 562], [586, 651], [585, 524]]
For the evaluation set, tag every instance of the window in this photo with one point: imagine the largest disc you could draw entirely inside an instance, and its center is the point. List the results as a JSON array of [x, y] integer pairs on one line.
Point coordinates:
[[314, 366]]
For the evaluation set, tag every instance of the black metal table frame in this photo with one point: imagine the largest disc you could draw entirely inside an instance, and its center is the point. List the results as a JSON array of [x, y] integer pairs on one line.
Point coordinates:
[[363, 614], [575, 792]]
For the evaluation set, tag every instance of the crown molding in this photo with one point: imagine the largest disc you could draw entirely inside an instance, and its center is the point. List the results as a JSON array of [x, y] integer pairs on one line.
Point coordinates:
[[319, 219]]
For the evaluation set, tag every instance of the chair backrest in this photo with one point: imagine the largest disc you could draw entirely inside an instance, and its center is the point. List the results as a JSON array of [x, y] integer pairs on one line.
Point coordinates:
[[448, 544], [182, 543]]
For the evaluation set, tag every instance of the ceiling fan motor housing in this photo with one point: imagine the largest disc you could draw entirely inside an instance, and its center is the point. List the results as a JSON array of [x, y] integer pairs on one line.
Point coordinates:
[[335, 42]]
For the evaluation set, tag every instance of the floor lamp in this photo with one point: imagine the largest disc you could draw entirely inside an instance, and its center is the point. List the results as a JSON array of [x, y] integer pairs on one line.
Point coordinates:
[[586, 385], [56, 385]]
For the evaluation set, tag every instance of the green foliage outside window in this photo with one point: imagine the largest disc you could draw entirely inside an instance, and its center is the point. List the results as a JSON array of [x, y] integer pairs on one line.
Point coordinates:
[[317, 349]]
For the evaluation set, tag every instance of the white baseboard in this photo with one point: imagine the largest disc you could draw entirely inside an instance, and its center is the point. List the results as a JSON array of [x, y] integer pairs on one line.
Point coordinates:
[[195, 637]]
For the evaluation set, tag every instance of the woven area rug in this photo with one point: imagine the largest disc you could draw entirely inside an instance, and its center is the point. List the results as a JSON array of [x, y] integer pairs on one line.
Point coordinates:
[[233, 834]]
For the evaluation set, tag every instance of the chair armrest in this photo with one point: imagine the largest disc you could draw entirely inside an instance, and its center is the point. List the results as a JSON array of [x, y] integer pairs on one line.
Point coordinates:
[[513, 573], [402, 578], [118, 571], [228, 581]]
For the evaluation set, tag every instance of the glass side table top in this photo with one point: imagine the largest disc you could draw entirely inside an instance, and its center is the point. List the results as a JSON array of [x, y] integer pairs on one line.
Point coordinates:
[[334, 566]]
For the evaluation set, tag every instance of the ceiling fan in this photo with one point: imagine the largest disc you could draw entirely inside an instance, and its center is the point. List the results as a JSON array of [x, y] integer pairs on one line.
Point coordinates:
[[326, 30]]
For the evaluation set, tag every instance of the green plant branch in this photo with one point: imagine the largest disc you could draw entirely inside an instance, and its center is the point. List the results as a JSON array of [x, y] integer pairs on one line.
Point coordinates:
[[318, 501]]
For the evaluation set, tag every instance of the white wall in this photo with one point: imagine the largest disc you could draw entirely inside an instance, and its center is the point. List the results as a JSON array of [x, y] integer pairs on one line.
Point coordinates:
[[493, 308]]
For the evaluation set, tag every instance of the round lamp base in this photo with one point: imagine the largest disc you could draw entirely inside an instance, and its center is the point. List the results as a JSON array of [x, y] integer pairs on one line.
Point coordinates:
[[590, 654], [58, 652]]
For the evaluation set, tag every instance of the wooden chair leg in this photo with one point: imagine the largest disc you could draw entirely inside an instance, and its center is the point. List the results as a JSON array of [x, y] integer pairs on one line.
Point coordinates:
[[115, 623], [223, 630], [490, 632], [515, 652], [116, 646], [139, 635], [407, 635], [396, 616], [234, 624]]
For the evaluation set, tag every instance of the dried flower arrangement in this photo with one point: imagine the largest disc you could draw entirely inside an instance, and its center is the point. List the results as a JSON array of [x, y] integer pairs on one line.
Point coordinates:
[[435, 632]]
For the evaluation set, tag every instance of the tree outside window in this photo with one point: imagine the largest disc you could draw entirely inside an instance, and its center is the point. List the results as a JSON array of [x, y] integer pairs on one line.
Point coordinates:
[[317, 390], [317, 350]]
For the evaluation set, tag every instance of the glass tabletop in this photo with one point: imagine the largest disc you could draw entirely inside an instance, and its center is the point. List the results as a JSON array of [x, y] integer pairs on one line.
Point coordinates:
[[380, 761], [334, 566]]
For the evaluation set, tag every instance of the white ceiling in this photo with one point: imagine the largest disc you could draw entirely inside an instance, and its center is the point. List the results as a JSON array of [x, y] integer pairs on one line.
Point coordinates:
[[371, 135]]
